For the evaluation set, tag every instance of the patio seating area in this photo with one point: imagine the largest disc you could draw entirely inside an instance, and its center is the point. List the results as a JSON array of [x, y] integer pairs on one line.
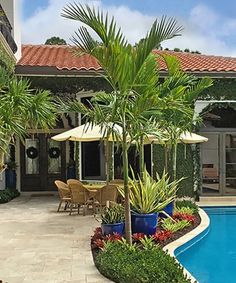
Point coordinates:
[[40, 245], [76, 195]]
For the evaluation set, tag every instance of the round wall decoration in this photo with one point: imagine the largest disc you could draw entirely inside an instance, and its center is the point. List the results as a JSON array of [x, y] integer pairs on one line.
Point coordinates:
[[54, 152], [32, 152]]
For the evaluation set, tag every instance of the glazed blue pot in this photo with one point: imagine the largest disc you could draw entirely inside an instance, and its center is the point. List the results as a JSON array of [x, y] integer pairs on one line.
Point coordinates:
[[109, 229], [144, 223], [168, 209], [10, 178]]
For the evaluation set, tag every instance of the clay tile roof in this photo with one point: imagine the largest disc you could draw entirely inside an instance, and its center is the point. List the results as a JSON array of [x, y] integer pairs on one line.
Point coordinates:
[[62, 58], [201, 63]]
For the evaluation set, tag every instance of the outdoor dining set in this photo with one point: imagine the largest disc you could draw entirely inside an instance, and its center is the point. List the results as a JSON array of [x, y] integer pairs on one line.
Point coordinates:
[[75, 195]]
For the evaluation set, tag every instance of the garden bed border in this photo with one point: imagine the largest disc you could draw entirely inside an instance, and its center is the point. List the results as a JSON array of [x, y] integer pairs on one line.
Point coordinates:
[[190, 238]]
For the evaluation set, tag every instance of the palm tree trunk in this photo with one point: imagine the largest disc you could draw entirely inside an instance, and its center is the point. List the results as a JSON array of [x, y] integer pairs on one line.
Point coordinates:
[[128, 232], [107, 160], [166, 157], [141, 158], [174, 160]]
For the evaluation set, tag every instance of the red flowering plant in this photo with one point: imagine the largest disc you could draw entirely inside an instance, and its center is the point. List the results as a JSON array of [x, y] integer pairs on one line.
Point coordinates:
[[114, 237], [97, 234], [137, 237], [161, 235], [98, 240], [98, 244], [184, 216]]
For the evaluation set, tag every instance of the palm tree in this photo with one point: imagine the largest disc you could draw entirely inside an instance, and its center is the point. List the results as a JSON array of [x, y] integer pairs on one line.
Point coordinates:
[[124, 68], [21, 108], [183, 89]]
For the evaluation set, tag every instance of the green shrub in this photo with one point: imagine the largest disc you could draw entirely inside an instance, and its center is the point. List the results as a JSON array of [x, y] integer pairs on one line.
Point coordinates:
[[8, 194], [185, 210], [113, 214], [187, 203], [174, 226], [123, 265]]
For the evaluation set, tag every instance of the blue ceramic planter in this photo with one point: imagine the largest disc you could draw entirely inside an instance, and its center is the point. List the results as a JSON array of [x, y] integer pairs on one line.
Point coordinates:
[[144, 223], [168, 209], [113, 228], [10, 178]]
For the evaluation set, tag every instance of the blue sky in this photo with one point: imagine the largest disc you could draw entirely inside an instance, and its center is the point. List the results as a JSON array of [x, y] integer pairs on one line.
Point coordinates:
[[209, 25]]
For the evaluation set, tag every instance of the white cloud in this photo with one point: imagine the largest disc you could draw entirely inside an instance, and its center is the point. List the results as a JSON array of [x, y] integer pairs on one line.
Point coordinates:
[[48, 22], [203, 28]]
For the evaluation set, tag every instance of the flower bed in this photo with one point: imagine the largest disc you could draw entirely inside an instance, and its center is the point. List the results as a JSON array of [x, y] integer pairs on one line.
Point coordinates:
[[144, 260]]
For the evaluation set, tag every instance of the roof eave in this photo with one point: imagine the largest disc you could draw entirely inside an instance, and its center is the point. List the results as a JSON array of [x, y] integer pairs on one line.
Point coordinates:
[[43, 71], [201, 74], [37, 71]]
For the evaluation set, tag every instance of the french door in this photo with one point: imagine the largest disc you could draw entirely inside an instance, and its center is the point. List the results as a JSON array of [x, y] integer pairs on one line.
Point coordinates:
[[218, 157], [42, 162]]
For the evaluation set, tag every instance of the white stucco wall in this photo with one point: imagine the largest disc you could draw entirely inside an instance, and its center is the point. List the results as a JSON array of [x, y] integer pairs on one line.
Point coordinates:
[[12, 10]]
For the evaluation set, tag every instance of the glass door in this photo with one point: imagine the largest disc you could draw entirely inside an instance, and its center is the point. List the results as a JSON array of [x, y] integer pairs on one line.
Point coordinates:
[[210, 155], [230, 165], [42, 162]]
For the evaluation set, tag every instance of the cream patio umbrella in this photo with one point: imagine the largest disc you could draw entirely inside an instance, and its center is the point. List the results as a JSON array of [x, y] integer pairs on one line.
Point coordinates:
[[185, 137], [89, 132]]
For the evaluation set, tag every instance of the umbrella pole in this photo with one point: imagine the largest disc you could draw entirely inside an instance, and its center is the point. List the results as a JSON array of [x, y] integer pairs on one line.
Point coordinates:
[[77, 165]]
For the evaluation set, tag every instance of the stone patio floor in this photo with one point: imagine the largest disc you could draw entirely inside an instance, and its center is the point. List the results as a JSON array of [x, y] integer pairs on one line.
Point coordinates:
[[39, 245]]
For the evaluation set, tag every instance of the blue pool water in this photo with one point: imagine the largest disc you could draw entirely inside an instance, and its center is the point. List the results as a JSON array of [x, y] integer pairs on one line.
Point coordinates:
[[213, 259]]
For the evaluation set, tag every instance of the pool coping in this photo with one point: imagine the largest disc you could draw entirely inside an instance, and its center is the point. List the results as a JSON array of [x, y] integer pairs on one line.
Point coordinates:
[[172, 247]]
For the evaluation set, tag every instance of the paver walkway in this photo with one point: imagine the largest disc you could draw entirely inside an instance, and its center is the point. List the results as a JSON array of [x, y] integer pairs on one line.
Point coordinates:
[[39, 245]]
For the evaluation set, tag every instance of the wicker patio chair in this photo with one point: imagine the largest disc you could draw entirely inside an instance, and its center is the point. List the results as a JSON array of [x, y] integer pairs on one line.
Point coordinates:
[[107, 194], [64, 194], [79, 195], [117, 181]]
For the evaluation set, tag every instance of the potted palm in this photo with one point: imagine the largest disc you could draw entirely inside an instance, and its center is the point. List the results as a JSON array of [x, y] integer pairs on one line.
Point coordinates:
[[113, 219], [147, 200]]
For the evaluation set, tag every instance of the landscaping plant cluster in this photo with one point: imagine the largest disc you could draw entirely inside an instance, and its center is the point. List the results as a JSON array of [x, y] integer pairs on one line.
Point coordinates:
[[144, 260], [8, 194]]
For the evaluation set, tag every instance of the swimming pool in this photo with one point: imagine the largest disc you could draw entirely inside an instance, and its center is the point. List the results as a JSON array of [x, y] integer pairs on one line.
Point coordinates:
[[213, 259]]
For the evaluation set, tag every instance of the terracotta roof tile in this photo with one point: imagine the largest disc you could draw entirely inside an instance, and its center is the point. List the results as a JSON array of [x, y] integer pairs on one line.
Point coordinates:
[[62, 57], [201, 63]]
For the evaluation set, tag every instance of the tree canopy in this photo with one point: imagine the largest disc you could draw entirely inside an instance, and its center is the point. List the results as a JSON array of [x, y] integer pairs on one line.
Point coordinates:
[[55, 40]]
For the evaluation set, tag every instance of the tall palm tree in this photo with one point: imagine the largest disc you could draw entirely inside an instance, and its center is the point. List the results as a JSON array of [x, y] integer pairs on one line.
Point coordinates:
[[184, 89], [124, 68], [21, 108]]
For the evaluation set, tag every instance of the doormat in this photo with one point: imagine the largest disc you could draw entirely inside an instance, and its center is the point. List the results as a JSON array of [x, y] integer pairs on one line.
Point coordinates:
[[43, 195]]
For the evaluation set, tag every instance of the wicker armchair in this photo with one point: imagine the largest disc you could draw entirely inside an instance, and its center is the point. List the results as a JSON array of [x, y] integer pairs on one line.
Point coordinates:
[[64, 193], [106, 194], [117, 181], [79, 195]]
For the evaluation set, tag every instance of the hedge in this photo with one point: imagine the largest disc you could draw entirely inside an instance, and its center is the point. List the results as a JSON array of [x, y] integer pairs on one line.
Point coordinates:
[[123, 263], [8, 194], [185, 167]]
